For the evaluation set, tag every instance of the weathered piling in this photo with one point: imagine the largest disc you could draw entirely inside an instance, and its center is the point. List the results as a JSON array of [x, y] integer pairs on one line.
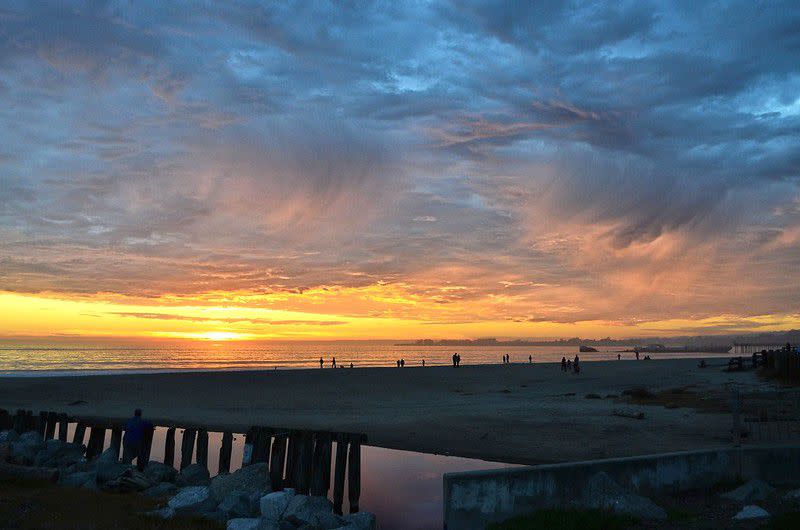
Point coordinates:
[[340, 467], [321, 465], [301, 479], [30, 421], [50, 431], [354, 474], [249, 440], [79, 434], [116, 439], [291, 459], [63, 425], [202, 447], [277, 458], [97, 437], [6, 421], [261, 442], [187, 447], [18, 422], [225, 452], [41, 423], [169, 447], [144, 451]]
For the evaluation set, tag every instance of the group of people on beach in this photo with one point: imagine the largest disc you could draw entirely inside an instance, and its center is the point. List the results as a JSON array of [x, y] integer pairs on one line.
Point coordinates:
[[568, 365], [333, 363], [456, 360]]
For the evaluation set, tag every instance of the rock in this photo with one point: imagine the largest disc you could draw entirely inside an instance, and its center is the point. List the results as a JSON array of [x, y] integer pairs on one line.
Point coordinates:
[[192, 500], [274, 504], [8, 436], [162, 489], [326, 521], [59, 454], [755, 490], [25, 449], [751, 511], [360, 521], [163, 513], [602, 492], [158, 472], [243, 523], [303, 509], [108, 467], [239, 504], [76, 480], [130, 480], [216, 516], [793, 495], [193, 475], [249, 479]]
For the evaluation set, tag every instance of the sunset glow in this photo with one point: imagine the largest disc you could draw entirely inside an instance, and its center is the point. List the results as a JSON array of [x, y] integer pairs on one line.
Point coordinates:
[[402, 173]]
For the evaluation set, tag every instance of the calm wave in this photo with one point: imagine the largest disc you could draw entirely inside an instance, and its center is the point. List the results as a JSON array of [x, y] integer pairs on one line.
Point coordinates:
[[36, 359]]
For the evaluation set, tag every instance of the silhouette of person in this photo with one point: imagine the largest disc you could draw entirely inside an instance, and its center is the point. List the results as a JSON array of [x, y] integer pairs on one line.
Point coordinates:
[[563, 364], [320, 362], [351, 365], [423, 362], [455, 355], [619, 357], [133, 441], [637, 354], [530, 359], [398, 363], [333, 363], [577, 366], [402, 363], [458, 359]]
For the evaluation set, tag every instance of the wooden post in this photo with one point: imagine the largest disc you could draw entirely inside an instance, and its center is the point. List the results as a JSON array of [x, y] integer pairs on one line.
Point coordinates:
[[19, 419], [96, 438], [41, 424], [5, 420], [225, 452], [261, 445], [63, 425], [276, 461], [339, 473], [202, 447], [249, 440], [30, 421], [116, 439], [187, 447], [321, 467], [80, 433], [291, 460], [354, 474], [302, 467], [169, 447], [147, 446], [52, 419]]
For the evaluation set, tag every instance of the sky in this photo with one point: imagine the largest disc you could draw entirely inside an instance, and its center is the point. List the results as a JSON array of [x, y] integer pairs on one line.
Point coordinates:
[[290, 170]]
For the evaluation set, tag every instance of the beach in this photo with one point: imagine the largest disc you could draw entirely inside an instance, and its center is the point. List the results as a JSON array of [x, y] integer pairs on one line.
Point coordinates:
[[521, 413]]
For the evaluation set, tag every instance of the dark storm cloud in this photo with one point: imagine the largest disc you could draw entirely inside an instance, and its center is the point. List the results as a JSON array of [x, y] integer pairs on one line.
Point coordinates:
[[585, 148]]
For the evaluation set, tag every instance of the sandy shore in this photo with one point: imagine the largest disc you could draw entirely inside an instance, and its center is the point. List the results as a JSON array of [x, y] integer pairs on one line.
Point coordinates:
[[516, 413]]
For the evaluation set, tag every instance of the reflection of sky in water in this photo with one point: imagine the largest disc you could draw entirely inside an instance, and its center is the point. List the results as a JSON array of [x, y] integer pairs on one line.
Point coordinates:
[[402, 488]]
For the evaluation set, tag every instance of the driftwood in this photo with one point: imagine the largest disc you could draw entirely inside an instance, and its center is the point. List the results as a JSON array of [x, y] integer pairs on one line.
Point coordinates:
[[627, 414]]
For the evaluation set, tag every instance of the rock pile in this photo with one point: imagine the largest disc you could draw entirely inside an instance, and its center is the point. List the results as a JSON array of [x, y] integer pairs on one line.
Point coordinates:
[[244, 499]]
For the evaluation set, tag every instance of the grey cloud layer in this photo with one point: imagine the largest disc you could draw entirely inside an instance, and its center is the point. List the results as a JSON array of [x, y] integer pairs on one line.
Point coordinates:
[[630, 160]]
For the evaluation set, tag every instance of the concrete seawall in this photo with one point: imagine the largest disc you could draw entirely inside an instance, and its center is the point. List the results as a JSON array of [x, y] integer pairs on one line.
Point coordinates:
[[474, 499]]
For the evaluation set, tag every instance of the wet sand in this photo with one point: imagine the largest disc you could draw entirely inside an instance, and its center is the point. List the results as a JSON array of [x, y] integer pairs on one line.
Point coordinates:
[[525, 413]]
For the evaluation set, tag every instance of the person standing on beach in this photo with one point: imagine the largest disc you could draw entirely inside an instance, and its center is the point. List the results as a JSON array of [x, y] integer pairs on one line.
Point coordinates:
[[134, 436], [333, 363], [402, 363], [563, 364], [530, 359], [576, 366], [454, 359], [423, 363], [321, 362]]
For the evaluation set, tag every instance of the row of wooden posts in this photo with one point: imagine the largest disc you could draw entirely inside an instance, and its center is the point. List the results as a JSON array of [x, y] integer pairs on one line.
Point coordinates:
[[295, 458]]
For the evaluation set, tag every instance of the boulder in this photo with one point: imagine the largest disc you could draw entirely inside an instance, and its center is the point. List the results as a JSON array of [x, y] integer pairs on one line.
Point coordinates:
[[130, 480], [59, 454], [8, 436], [239, 504], [25, 448], [304, 509], [244, 523], [76, 480], [162, 513], [193, 475], [755, 490], [192, 500], [602, 492], [359, 521], [162, 489], [158, 472], [108, 467], [31, 437], [274, 504], [249, 479], [751, 511], [793, 495]]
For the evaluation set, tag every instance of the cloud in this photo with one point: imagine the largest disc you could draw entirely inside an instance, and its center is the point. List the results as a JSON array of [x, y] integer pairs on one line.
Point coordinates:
[[554, 161]]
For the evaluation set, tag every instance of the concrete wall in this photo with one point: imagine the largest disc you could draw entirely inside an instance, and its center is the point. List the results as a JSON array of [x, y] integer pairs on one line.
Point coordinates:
[[474, 499]]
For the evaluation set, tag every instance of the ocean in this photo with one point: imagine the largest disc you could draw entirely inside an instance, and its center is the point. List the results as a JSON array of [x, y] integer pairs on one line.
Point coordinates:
[[22, 359]]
